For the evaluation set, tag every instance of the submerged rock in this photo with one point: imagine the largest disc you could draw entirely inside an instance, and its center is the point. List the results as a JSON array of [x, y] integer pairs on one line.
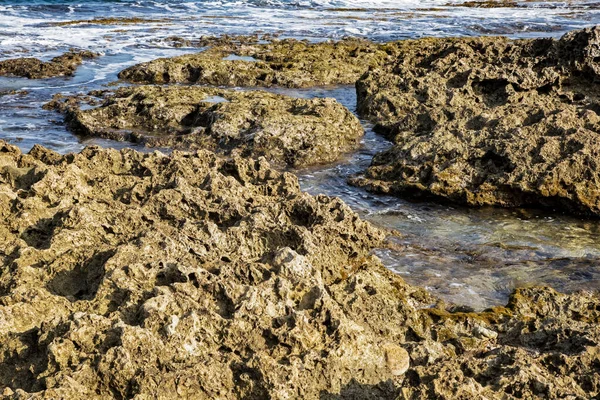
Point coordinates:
[[288, 63], [32, 68], [489, 121], [225, 40], [110, 21], [194, 276], [294, 131]]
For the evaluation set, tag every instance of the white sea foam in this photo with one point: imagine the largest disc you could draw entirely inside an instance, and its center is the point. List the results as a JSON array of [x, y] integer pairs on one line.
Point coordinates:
[[28, 27]]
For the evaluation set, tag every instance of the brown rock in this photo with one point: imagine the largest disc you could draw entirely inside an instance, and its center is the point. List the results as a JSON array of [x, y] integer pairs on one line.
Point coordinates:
[[194, 276], [396, 359], [111, 21], [489, 121], [32, 68], [288, 63], [288, 130]]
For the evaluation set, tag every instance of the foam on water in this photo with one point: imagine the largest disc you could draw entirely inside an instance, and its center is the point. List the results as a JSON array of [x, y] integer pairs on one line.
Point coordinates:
[[28, 27]]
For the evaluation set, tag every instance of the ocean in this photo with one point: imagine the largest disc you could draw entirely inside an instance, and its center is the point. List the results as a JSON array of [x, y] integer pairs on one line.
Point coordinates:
[[24, 25]]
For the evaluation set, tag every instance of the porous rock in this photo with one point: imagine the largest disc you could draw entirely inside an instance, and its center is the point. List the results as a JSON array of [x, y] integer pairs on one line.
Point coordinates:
[[130, 275], [33, 68], [288, 130], [489, 121], [288, 63], [175, 276]]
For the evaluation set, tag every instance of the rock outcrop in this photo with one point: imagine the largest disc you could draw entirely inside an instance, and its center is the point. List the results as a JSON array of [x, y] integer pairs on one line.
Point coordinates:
[[32, 68], [489, 121], [287, 63], [297, 132], [129, 275]]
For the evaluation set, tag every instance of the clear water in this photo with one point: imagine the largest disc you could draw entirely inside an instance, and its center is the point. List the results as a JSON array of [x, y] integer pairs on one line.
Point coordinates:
[[467, 256]]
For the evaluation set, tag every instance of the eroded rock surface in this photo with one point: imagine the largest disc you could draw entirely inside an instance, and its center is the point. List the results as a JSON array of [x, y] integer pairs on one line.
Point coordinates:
[[187, 275], [194, 276], [530, 350], [288, 130], [110, 21], [32, 68], [288, 63], [489, 121]]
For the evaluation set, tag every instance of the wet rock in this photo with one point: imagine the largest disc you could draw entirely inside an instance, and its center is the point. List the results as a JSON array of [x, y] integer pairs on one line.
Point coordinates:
[[32, 68], [288, 63], [13, 92], [196, 276], [287, 130], [64, 104], [111, 21], [489, 121]]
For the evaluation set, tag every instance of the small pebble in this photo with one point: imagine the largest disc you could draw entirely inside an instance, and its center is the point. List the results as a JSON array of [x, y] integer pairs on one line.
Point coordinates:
[[397, 359]]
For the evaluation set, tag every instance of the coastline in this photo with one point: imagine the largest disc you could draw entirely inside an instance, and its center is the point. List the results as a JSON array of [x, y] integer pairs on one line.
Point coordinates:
[[199, 259]]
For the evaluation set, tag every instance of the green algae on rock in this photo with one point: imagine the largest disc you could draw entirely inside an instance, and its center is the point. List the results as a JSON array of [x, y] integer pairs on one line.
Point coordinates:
[[195, 276], [32, 68], [287, 63], [289, 130], [489, 121]]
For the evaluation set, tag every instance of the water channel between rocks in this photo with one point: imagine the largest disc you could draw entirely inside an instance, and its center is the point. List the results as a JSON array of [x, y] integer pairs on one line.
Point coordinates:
[[467, 256], [472, 257]]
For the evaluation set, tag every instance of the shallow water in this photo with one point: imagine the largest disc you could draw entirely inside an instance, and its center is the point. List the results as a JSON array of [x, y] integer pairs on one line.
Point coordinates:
[[467, 256]]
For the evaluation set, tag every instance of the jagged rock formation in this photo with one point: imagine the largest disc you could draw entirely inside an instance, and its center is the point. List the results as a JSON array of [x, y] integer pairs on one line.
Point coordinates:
[[489, 121], [288, 130], [195, 276]]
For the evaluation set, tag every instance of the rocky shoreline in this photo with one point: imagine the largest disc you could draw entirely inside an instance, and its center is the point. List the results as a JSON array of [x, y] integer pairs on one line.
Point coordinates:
[[209, 273], [192, 275], [489, 121], [32, 68], [287, 63], [291, 131]]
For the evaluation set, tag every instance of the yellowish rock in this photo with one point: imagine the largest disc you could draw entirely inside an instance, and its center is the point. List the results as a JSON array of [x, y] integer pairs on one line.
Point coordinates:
[[397, 359]]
